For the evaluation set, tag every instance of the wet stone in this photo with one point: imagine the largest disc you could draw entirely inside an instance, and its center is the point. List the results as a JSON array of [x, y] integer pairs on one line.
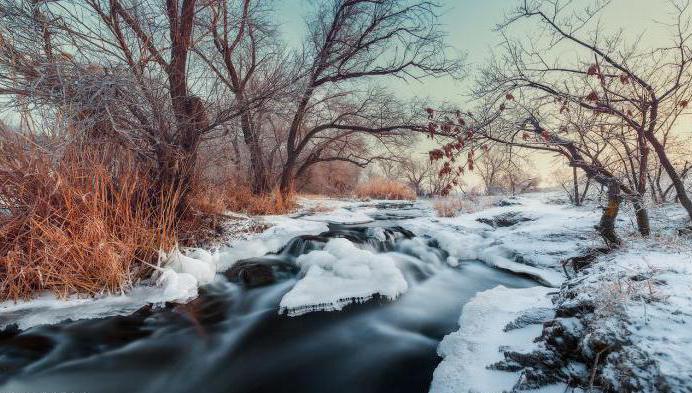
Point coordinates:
[[257, 272]]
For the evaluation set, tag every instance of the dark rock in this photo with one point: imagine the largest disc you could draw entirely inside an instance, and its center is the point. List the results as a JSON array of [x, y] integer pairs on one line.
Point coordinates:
[[508, 202], [583, 261], [257, 272], [304, 244], [504, 220], [686, 231], [532, 316]]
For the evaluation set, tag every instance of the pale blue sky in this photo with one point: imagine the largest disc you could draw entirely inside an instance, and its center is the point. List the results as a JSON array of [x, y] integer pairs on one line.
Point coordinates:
[[470, 24]]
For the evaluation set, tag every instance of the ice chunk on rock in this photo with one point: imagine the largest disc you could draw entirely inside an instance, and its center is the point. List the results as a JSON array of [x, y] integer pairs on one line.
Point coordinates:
[[342, 274], [202, 269]]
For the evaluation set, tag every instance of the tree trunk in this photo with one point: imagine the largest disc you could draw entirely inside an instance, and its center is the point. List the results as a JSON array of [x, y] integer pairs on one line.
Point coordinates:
[[259, 177], [643, 224], [287, 175], [606, 227], [672, 173], [577, 201]]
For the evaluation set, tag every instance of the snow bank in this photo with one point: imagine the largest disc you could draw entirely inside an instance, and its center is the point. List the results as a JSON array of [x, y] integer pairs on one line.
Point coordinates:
[[642, 297], [339, 275], [544, 235], [469, 351], [47, 309]]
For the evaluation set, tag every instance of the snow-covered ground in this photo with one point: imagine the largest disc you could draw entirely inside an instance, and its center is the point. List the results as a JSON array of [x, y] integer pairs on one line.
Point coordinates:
[[623, 323], [526, 235], [496, 318]]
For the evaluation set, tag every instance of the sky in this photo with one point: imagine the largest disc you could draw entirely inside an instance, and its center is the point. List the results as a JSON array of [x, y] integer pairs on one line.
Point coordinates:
[[470, 26]]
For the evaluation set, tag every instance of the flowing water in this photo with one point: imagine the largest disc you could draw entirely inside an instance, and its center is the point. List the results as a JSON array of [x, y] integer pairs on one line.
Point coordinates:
[[232, 339]]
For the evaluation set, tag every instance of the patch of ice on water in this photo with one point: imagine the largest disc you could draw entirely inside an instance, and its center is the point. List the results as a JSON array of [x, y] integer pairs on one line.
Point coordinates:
[[341, 274], [467, 352]]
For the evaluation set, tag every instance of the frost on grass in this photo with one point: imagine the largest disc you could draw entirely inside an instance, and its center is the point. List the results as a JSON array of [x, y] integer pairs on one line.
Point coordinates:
[[493, 321], [341, 274]]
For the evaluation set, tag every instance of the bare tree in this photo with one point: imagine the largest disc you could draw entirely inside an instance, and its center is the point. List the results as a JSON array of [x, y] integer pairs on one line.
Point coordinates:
[[244, 52], [350, 44], [118, 69], [642, 90]]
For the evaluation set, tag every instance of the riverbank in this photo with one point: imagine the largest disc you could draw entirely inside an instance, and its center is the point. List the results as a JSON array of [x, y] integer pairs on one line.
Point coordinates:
[[618, 323]]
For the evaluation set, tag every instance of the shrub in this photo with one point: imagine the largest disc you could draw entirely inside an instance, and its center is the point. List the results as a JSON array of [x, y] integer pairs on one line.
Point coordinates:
[[82, 222], [453, 205], [380, 188]]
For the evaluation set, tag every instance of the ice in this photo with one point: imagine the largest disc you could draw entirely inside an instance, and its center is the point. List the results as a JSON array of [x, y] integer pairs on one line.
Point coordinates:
[[202, 268], [272, 240], [341, 274], [48, 309], [467, 352]]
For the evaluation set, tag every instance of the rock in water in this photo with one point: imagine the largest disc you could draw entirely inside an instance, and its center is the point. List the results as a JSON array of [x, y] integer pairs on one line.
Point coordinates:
[[257, 272]]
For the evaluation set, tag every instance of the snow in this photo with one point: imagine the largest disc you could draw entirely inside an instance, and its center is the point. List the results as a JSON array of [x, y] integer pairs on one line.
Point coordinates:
[[643, 298], [536, 246], [642, 292], [467, 352], [641, 295], [201, 267], [341, 274], [47, 309]]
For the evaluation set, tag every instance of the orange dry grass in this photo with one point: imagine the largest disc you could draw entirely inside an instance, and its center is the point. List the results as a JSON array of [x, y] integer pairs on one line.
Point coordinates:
[[80, 224], [240, 199], [380, 188], [448, 207]]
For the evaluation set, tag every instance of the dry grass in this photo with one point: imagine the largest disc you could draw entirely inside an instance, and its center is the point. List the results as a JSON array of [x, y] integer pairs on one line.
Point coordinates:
[[380, 188], [83, 223], [239, 198], [453, 205], [448, 207]]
